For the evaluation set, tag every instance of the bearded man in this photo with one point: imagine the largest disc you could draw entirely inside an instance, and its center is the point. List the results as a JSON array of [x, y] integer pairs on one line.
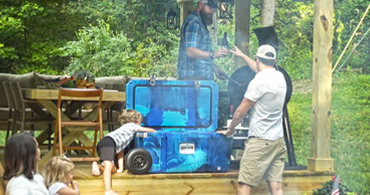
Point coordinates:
[[195, 61]]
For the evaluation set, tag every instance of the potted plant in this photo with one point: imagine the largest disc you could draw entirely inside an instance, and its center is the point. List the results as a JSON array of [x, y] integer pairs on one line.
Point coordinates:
[[327, 188]]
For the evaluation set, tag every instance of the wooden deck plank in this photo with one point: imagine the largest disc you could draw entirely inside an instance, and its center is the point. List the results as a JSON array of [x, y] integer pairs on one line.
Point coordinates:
[[295, 182], [220, 186], [160, 186]]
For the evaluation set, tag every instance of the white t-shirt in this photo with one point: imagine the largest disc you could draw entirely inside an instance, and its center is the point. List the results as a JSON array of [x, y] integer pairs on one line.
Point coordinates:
[[267, 90], [55, 187], [23, 186], [123, 135]]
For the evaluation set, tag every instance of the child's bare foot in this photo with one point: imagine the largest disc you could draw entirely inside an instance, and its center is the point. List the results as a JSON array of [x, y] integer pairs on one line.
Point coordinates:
[[95, 169], [111, 192], [119, 170]]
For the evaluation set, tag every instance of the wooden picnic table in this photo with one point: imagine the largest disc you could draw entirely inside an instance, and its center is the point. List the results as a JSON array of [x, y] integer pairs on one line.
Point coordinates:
[[47, 98]]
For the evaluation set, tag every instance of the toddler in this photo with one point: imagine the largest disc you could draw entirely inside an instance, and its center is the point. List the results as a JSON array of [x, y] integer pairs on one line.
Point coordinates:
[[113, 145], [59, 174]]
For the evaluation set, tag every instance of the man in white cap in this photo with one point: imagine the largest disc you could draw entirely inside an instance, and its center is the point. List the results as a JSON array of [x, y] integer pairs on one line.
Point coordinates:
[[195, 61], [264, 152]]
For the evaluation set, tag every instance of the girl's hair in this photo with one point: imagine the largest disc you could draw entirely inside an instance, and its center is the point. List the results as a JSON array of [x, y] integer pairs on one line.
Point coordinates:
[[130, 116], [57, 169], [20, 156]]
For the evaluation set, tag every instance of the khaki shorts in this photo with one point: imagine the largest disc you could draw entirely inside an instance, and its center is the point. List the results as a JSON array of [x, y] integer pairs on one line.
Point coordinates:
[[262, 159]]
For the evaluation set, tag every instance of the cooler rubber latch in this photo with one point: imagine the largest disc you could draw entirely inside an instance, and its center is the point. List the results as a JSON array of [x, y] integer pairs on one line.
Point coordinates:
[[152, 80], [197, 85]]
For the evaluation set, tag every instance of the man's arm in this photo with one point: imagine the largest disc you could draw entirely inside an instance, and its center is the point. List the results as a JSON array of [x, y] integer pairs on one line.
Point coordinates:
[[238, 116], [197, 53], [194, 52], [220, 74], [251, 63]]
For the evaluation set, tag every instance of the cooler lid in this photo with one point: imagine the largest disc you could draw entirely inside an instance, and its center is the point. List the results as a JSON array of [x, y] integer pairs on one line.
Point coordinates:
[[174, 105]]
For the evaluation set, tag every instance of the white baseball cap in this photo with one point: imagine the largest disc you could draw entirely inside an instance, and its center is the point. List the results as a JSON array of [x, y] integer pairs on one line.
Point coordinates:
[[267, 52]]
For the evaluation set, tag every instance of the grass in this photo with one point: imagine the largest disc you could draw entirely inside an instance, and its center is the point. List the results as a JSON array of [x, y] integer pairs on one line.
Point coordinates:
[[2, 138], [350, 133], [299, 111]]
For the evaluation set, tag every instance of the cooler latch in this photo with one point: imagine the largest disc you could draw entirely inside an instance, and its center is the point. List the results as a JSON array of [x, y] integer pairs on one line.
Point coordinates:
[[197, 85], [152, 80]]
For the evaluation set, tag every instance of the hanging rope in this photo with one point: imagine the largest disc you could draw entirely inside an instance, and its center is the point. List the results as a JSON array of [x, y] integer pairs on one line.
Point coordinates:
[[353, 50], [353, 34]]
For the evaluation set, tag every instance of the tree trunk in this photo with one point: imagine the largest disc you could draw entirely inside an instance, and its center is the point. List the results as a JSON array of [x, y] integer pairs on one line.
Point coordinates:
[[267, 12]]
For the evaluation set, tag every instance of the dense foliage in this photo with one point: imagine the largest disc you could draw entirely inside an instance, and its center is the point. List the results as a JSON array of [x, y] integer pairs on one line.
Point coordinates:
[[52, 36], [27, 36], [113, 37], [104, 52], [123, 38]]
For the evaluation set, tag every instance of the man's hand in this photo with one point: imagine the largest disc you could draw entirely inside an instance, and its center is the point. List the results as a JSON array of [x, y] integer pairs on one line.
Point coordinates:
[[236, 51], [228, 132], [222, 52], [251, 63], [220, 74]]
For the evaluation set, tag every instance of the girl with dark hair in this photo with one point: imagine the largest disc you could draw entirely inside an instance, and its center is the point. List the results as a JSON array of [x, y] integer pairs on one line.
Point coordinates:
[[22, 155]]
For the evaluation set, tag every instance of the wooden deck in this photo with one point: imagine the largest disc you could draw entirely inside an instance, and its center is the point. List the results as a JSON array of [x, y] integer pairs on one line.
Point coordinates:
[[296, 182]]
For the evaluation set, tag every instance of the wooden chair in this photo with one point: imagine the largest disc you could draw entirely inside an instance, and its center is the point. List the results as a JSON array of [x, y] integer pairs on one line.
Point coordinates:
[[116, 107], [78, 95], [11, 105], [20, 110]]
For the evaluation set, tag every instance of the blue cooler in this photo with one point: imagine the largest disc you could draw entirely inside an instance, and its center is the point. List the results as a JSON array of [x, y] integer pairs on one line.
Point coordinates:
[[185, 114]]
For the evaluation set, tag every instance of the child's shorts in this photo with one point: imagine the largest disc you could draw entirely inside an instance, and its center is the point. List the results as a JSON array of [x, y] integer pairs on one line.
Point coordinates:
[[106, 149]]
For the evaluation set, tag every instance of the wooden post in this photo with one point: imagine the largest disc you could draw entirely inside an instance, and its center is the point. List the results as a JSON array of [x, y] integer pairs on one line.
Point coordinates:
[[186, 6], [268, 12], [320, 159], [242, 33], [2, 184]]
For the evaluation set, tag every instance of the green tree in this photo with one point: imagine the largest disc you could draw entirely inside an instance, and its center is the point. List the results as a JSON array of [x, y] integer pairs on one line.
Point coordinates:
[[100, 51], [347, 16], [105, 53], [152, 48], [31, 33]]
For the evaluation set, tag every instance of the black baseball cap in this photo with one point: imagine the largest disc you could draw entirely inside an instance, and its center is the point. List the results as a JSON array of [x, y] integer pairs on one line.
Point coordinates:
[[210, 3]]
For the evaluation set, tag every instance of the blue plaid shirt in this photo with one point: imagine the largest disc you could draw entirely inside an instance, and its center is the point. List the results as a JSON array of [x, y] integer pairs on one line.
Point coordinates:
[[194, 34]]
